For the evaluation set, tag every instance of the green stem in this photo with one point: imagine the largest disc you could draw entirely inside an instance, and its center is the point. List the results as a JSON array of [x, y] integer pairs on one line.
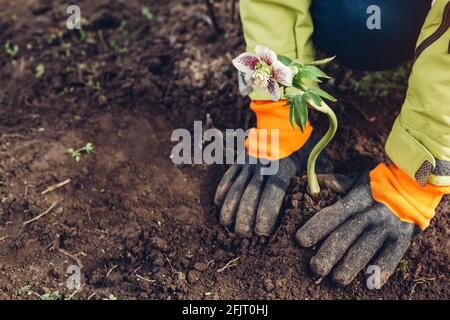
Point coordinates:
[[313, 183]]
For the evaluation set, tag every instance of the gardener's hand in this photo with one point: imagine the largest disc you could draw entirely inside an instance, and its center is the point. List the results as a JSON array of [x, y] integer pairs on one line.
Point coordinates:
[[356, 229], [250, 200]]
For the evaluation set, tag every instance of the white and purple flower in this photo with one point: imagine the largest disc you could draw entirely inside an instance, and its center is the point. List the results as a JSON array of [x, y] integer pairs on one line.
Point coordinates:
[[262, 71]]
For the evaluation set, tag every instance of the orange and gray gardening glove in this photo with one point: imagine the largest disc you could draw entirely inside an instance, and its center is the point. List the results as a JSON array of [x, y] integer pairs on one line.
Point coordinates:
[[249, 198], [378, 218], [374, 222]]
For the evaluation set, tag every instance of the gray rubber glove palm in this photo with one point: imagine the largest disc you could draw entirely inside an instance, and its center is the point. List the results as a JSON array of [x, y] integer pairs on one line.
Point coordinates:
[[357, 229]]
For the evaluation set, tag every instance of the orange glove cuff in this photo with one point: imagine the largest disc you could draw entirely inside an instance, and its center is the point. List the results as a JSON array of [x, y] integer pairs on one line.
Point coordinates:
[[404, 196], [274, 137]]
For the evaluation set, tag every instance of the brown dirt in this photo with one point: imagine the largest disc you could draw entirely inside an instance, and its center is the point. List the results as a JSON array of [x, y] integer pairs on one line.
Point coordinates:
[[141, 227]]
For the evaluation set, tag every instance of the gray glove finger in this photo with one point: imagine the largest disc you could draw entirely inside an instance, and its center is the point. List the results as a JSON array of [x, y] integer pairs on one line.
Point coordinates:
[[245, 216], [225, 184], [360, 254], [328, 219], [231, 202], [392, 254], [335, 246], [272, 198]]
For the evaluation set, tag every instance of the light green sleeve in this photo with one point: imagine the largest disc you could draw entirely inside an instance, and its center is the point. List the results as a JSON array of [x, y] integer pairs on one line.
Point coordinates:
[[420, 140], [285, 26]]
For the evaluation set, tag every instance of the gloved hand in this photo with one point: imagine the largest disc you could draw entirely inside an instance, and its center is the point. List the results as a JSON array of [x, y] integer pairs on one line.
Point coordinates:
[[377, 218], [249, 200]]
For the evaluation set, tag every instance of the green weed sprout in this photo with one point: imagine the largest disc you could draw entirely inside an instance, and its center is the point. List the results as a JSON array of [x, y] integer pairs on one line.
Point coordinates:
[[147, 13], [11, 50], [77, 153], [110, 297], [52, 295]]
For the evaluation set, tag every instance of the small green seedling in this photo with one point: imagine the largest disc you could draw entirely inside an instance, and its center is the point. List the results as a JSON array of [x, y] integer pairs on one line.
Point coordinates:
[[24, 291], [404, 266], [52, 295], [110, 297], [83, 35], [39, 71], [77, 153], [146, 12], [11, 50]]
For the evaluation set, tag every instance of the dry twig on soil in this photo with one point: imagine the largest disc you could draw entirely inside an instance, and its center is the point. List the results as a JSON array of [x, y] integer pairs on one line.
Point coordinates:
[[42, 214], [145, 279], [74, 258], [230, 264], [110, 270], [56, 186], [13, 135]]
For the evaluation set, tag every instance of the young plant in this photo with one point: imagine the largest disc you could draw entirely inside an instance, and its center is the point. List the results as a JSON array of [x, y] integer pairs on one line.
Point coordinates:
[[11, 50], [404, 266], [52, 295], [24, 291], [40, 70], [147, 13], [266, 70], [77, 153]]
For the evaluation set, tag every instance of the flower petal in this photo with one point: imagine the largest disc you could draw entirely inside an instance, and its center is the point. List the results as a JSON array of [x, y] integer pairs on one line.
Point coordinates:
[[245, 87], [246, 62], [265, 54], [282, 73], [274, 90]]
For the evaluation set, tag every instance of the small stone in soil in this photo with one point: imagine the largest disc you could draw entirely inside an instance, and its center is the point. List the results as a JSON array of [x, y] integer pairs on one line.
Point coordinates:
[[268, 285], [200, 266], [159, 243], [193, 276]]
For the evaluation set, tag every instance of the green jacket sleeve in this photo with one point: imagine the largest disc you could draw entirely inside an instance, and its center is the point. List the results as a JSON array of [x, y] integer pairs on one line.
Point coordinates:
[[285, 26], [420, 140]]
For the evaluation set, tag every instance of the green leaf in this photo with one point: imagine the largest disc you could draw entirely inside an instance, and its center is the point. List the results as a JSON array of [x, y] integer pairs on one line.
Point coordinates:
[[89, 148], [317, 72], [322, 94], [147, 13], [297, 113], [285, 60], [304, 109], [52, 295], [40, 70], [319, 62], [314, 97], [305, 74], [297, 82], [291, 115], [24, 291]]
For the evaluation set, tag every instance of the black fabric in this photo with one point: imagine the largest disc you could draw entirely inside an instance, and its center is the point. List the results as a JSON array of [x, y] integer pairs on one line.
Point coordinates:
[[340, 28]]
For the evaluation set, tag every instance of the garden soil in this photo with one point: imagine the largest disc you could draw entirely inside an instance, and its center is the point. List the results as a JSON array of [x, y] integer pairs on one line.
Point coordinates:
[[138, 225]]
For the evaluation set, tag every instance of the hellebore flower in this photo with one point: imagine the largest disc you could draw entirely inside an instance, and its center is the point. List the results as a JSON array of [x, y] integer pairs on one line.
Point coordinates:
[[265, 70], [262, 71]]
